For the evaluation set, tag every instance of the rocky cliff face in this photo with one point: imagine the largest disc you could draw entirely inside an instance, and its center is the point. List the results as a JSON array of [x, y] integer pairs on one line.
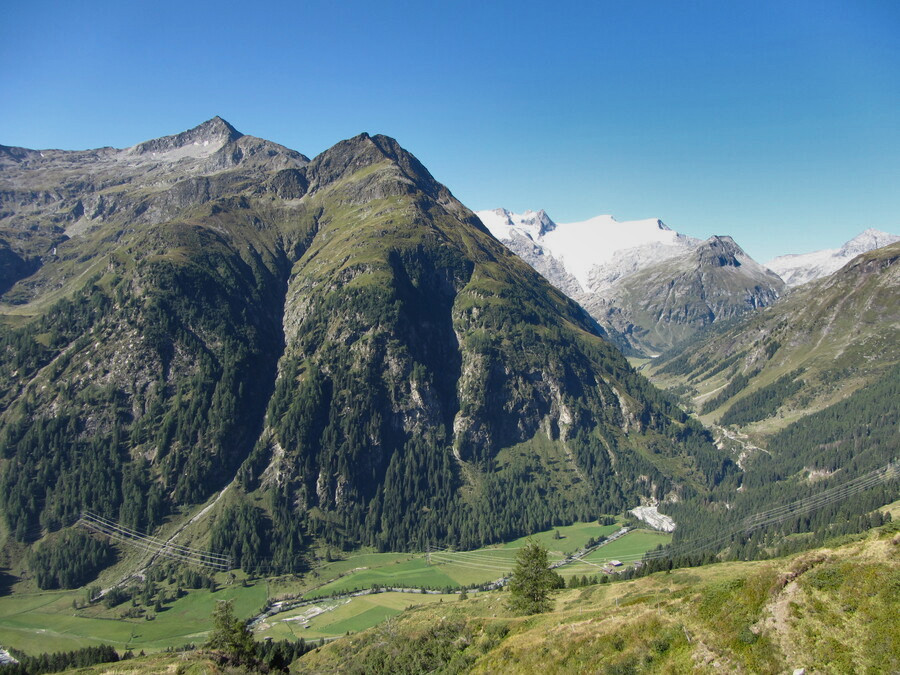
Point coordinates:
[[663, 304], [339, 333]]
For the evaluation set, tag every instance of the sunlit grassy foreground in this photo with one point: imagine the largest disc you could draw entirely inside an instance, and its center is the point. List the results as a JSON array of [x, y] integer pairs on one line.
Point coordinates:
[[828, 610]]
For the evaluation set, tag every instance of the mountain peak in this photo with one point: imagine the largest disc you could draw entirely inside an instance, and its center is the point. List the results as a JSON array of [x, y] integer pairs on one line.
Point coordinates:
[[867, 240], [203, 139], [720, 251], [365, 150], [801, 268], [503, 223], [217, 127]]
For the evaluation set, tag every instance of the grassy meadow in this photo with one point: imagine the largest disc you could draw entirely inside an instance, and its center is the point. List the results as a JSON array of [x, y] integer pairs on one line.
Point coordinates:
[[832, 609], [40, 621], [827, 610], [47, 621]]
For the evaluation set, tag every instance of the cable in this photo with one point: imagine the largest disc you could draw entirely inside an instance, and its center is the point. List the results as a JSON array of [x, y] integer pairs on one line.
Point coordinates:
[[785, 512], [153, 545]]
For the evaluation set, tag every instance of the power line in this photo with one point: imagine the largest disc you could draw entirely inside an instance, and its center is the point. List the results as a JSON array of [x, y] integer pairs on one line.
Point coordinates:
[[785, 512], [145, 542], [494, 561]]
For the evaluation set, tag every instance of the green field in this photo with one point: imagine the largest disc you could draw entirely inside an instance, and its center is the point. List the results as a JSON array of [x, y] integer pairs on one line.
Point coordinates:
[[408, 573], [572, 537], [339, 616], [450, 569], [47, 621], [40, 622], [627, 549]]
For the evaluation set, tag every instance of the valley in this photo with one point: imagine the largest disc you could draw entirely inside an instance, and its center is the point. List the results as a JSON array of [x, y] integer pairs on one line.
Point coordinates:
[[30, 620], [325, 391], [831, 609]]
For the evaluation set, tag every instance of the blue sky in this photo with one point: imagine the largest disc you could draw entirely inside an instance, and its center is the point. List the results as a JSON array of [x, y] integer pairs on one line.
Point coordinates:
[[775, 122]]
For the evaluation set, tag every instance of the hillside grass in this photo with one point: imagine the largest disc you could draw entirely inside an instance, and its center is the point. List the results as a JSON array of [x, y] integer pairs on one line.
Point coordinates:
[[628, 548], [340, 616], [454, 569], [828, 610]]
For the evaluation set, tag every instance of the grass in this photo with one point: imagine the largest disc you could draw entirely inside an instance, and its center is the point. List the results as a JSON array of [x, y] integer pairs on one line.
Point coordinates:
[[341, 616], [451, 569], [635, 543], [361, 561], [731, 617], [410, 573], [829, 610], [627, 549], [892, 508], [39, 622], [572, 537]]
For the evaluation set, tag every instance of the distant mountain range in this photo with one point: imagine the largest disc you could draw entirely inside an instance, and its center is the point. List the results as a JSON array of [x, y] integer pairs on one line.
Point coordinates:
[[797, 269], [646, 284], [824, 341], [650, 287]]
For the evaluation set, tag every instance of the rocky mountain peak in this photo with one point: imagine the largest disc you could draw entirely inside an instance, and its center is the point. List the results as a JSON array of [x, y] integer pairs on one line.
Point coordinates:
[[209, 136], [720, 251], [798, 269], [350, 156], [540, 221]]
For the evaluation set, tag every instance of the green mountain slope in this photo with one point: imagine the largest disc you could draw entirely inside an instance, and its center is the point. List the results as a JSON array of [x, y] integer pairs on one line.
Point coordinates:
[[805, 397], [339, 340], [818, 345]]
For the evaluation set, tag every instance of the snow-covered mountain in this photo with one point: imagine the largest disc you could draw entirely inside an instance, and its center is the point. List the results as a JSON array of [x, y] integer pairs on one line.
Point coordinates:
[[647, 285], [797, 269], [594, 252]]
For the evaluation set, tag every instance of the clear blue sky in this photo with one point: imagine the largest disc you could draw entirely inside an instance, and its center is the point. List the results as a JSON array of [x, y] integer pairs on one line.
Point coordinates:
[[775, 122]]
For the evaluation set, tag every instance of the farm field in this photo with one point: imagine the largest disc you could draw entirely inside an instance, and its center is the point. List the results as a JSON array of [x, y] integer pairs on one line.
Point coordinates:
[[626, 549], [572, 537], [409, 573], [451, 569], [41, 621], [630, 547], [335, 617]]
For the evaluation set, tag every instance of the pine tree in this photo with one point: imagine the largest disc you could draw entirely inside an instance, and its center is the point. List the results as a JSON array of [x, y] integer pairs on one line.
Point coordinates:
[[531, 580], [230, 636]]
